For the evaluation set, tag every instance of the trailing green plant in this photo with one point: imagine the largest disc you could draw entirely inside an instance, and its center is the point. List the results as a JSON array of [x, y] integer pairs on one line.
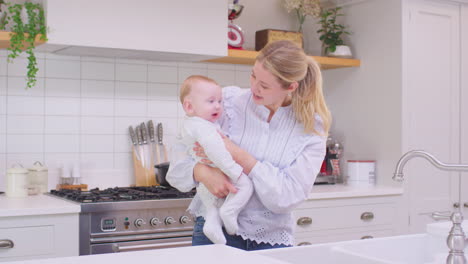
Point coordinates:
[[331, 33], [25, 34]]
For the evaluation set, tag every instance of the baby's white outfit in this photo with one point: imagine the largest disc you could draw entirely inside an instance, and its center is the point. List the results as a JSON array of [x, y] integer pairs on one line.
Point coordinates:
[[196, 129]]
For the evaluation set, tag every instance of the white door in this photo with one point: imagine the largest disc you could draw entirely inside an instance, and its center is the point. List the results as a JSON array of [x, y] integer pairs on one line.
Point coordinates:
[[431, 109], [464, 108]]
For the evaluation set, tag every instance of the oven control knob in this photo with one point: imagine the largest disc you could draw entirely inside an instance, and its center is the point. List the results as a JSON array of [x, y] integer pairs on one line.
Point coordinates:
[[169, 220], [154, 221], [139, 222], [184, 219]]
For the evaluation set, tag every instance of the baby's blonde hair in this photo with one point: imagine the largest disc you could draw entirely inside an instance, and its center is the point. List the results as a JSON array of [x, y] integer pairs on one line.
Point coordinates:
[[188, 83]]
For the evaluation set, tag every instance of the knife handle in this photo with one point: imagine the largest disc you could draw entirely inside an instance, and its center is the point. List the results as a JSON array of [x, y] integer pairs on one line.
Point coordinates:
[[132, 135], [138, 135], [160, 133], [151, 130], [144, 133]]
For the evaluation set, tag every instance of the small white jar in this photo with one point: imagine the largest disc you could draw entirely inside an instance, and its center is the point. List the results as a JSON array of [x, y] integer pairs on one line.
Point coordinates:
[[17, 181], [38, 177], [361, 172]]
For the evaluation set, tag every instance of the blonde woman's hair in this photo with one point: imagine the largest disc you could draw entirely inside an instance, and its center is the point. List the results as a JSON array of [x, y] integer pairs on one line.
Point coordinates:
[[290, 64], [186, 86]]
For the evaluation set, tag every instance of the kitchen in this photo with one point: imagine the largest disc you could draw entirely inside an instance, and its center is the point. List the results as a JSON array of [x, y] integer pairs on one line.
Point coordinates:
[[83, 105]]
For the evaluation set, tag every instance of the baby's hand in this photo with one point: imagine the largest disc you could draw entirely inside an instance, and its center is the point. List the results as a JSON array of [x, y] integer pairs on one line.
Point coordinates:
[[200, 152]]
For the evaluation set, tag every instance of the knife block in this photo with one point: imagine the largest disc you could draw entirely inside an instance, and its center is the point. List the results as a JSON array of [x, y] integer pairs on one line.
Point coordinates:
[[143, 176]]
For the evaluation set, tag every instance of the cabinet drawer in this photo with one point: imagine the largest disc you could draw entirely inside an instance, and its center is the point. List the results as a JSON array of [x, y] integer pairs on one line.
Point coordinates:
[[310, 238], [311, 219], [27, 241]]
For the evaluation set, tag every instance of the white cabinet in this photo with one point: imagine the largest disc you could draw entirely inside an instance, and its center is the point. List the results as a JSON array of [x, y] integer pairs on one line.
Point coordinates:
[[38, 236], [464, 108], [141, 29], [434, 114], [330, 220]]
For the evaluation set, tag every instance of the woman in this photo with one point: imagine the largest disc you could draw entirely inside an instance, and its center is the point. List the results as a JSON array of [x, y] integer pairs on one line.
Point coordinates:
[[277, 132]]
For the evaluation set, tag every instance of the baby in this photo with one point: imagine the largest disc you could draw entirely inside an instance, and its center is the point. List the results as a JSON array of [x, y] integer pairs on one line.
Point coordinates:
[[201, 98]]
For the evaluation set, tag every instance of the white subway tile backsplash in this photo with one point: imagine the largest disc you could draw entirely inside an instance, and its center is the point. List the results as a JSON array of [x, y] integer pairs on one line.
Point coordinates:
[[131, 72], [3, 105], [62, 125], [25, 143], [98, 59], [62, 106], [162, 108], [223, 77], [97, 89], [62, 143], [62, 87], [82, 107], [97, 125], [25, 124], [67, 69], [24, 105], [97, 107], [3, 126], [162, 91], [91, 70], [162, 74], [3, 143], [3, 85], [3, 66], [242, 79], [122, 123], [52, 56], [125, 107], [25, 159], [54, 161], [122, 143], [97, 143], [186, 72], [124, 161], [18, 67], [17, 86], [130, 90], [96, 161], [3, 169]]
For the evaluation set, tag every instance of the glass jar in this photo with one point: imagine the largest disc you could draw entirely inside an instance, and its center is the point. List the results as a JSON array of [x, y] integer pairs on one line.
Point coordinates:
[[38, 178], [17, 181]]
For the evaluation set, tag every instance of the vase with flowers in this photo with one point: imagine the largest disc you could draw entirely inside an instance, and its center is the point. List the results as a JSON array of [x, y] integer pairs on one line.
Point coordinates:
[[303, 8]]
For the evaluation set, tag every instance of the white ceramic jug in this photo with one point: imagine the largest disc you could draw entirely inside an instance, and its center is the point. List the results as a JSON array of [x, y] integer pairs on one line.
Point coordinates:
[[17, 181]]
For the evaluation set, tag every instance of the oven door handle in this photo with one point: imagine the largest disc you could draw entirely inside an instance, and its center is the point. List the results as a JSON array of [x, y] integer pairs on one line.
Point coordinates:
[[118, 248]]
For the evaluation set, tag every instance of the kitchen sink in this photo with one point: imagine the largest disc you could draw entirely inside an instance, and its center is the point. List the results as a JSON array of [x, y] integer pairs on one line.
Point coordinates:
[[427, 248]]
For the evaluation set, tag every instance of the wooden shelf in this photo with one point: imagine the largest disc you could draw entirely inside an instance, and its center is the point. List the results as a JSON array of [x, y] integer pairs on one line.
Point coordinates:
[[5, 40], [248, 57]]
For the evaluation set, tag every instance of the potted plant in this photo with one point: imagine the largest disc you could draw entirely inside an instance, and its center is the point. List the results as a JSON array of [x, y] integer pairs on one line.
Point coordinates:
[[25, 21], [331, 34]]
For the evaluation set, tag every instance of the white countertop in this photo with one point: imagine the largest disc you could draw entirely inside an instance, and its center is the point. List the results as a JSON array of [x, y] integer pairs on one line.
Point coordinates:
[[35, 205], [210, 254], [345, 191]]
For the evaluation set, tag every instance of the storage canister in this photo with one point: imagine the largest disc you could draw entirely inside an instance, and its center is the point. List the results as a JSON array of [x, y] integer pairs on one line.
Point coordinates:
[[17, 181], [38, 177], [361, 172]]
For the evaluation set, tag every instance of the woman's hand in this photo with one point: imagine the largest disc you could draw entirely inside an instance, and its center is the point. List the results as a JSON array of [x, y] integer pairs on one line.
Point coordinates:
[[214, 180], [200, 152]]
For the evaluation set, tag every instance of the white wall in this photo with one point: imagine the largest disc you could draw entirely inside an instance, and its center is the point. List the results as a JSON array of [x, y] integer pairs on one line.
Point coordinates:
[[366, 101], [81, 108]]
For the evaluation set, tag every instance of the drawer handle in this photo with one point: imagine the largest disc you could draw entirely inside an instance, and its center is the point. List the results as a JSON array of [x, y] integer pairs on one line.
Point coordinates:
[[6, 243], [367, 216], [367, 237], [304, 221], [304, 244]]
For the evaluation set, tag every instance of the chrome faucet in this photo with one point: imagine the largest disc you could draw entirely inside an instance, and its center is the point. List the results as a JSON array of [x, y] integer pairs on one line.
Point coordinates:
[[456, 240]]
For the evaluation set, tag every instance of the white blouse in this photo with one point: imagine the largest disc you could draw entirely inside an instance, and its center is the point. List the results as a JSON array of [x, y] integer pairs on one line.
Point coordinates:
[[288, 163]]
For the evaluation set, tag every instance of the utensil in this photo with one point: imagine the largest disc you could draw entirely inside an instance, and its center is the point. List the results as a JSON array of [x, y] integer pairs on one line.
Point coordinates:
[[140, 143], [134, 139], [155, 145], [149, 165], [161, 145]]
